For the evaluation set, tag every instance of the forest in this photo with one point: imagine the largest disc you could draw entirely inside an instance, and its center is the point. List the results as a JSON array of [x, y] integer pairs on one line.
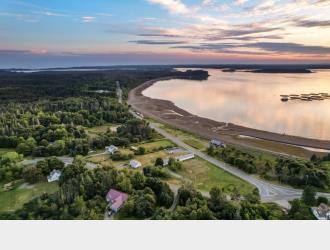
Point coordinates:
[[48, 115], [293, 171]]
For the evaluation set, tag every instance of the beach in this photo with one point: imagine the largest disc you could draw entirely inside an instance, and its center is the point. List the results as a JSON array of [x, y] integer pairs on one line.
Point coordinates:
[[166, 112]]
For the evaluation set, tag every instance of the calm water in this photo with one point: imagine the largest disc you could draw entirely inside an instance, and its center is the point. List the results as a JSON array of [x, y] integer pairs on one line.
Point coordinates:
[[253, 100]]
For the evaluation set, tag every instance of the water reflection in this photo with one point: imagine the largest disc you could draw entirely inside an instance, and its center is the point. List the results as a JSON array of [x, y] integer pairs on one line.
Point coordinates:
[[253, 100]]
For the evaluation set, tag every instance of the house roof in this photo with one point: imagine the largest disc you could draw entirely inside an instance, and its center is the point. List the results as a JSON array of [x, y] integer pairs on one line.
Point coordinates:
[[185, 157], [135, 163], [55, 172], [111, 148], [116, 198]]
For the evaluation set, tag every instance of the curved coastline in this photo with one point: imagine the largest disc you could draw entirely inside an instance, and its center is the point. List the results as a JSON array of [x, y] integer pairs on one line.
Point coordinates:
[[167, 112]]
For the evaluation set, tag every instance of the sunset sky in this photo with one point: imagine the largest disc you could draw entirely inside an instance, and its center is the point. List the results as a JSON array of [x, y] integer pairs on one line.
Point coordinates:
[[52, 33]]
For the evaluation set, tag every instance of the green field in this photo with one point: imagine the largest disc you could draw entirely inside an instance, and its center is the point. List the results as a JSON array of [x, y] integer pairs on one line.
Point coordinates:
[[152, 146], [14, 199], [205, 175], [190, 139], [277, 148], [149, 159], [195, 144]]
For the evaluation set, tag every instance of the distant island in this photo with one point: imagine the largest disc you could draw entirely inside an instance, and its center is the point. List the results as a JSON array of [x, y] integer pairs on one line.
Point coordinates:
[[281, 70]]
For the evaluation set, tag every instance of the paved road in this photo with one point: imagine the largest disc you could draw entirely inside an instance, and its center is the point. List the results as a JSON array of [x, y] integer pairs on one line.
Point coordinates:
[[268, 192]]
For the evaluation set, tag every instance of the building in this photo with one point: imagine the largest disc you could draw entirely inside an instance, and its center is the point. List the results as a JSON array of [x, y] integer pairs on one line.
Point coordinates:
[[54, 175], [165, 162], [185, 157], [111, 149], [135, 164], [116, 199], [217, 143], [322, 212]]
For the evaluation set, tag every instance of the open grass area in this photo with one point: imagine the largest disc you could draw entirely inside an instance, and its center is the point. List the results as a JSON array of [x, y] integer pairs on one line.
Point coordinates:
[[95, 131], [21, 193], [149, 159], [195, 144], [190, 139], [104, 160], [205, 175], [276, 147], [152, 146]]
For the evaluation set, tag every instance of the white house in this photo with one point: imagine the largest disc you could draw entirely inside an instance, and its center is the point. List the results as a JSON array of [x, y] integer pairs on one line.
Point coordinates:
[[135, 164], [321, 212], [54, 175], [111, 149], [165, 162], [185, 157]]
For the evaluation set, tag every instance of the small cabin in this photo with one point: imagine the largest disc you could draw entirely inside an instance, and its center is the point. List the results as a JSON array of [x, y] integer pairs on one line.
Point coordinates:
[[135, 164], [111, 149], [54, 175]]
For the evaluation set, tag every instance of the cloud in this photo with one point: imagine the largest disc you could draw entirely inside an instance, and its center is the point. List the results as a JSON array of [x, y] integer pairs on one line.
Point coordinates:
[[290, 48], [88, 19], [173, 6], [159, 42], [11, 51], [49, 13], [261, 48], [22, 52], [213, 33], [238, 32], [310, 23], [240, 2]]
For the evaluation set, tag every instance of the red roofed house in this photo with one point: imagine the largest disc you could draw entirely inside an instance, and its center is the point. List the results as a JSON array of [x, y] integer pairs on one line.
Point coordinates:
[[116, 199]]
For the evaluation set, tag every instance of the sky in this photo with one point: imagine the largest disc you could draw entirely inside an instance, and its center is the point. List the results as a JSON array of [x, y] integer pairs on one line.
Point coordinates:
[[64, 33]]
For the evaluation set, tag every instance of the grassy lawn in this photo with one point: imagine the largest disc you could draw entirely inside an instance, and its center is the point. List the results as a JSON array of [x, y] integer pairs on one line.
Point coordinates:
[[152, 146], [205, 175], [149, 159], [277, 147], [195, 144], [190, 139], [17, 197], [104, 160]]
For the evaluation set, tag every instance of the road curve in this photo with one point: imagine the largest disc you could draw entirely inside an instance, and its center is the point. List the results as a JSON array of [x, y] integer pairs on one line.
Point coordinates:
[[268, 192]]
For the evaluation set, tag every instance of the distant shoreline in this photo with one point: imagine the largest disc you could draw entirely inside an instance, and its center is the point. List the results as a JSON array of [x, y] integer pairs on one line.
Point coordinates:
[[167, 112]]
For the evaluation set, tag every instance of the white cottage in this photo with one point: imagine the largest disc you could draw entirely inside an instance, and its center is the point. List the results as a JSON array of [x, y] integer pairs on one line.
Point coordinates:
[[135, 164], [111, 149], [185, 157], [54, 175]]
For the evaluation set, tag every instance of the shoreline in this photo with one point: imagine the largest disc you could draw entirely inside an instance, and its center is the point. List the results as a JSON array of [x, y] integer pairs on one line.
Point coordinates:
[[167, 112]]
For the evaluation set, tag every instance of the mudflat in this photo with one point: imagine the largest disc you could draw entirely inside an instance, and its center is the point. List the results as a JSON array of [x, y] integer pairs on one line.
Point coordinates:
[[166, 112]]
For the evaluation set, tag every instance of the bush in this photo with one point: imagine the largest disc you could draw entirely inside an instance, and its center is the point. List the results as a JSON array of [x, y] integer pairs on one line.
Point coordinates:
[[33, 175], [152, 171], [323, 200]]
